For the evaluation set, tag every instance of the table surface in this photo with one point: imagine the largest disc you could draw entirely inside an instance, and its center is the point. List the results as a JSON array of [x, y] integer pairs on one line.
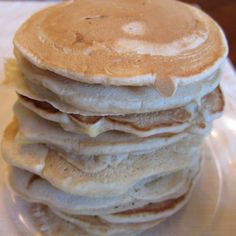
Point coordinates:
[[12, 14]]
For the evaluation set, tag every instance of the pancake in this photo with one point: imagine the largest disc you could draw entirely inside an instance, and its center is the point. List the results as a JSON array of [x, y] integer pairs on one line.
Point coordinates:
[[33, 129], [122, 43], [89, 100], [148, 213], [151, 212], [94, 224], [45, 218], [35, 189], [112, 180], [114, 101], [143, 125], [45, 221]]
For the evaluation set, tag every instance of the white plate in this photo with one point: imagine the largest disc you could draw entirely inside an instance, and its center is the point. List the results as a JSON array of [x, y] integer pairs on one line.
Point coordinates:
[[212, 208]]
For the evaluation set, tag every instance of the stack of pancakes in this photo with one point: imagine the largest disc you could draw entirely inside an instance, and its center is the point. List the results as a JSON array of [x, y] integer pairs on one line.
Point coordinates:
[[115, 98]]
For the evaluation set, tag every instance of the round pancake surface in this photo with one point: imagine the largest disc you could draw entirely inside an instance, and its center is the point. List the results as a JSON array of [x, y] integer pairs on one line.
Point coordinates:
[[155, 42]]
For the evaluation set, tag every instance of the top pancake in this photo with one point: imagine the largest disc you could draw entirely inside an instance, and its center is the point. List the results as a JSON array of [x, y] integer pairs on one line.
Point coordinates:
[[137, 43]]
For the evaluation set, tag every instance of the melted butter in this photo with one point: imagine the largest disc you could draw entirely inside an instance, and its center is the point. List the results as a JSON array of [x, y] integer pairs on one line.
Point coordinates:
[[165, 86]]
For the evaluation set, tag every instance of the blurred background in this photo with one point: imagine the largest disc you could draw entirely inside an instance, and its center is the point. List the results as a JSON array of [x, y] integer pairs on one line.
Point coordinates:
[[223, 11]]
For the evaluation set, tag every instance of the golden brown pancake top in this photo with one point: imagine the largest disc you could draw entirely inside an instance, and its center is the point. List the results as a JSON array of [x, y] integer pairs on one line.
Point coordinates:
[[123, 42]]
